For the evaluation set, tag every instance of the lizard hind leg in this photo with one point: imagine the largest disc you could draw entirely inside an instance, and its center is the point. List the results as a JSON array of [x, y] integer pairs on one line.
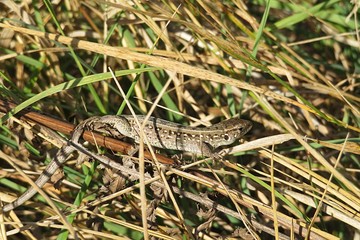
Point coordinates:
[[128, 159]]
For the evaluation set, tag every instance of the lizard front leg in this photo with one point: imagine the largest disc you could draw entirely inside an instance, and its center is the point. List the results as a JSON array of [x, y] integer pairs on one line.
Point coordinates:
[[208, 151]]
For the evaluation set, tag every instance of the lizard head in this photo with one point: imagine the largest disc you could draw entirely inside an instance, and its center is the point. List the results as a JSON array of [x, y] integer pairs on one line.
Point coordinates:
[[232, 130]]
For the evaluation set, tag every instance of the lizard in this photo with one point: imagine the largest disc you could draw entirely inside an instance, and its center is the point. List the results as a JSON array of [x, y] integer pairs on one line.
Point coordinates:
[[160, 133]]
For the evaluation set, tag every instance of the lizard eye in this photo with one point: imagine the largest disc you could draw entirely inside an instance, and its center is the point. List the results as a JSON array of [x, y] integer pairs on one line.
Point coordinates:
[[226, 137]]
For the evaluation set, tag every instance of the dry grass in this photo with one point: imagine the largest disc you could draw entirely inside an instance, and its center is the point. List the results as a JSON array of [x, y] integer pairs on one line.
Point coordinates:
[[293, 70]]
